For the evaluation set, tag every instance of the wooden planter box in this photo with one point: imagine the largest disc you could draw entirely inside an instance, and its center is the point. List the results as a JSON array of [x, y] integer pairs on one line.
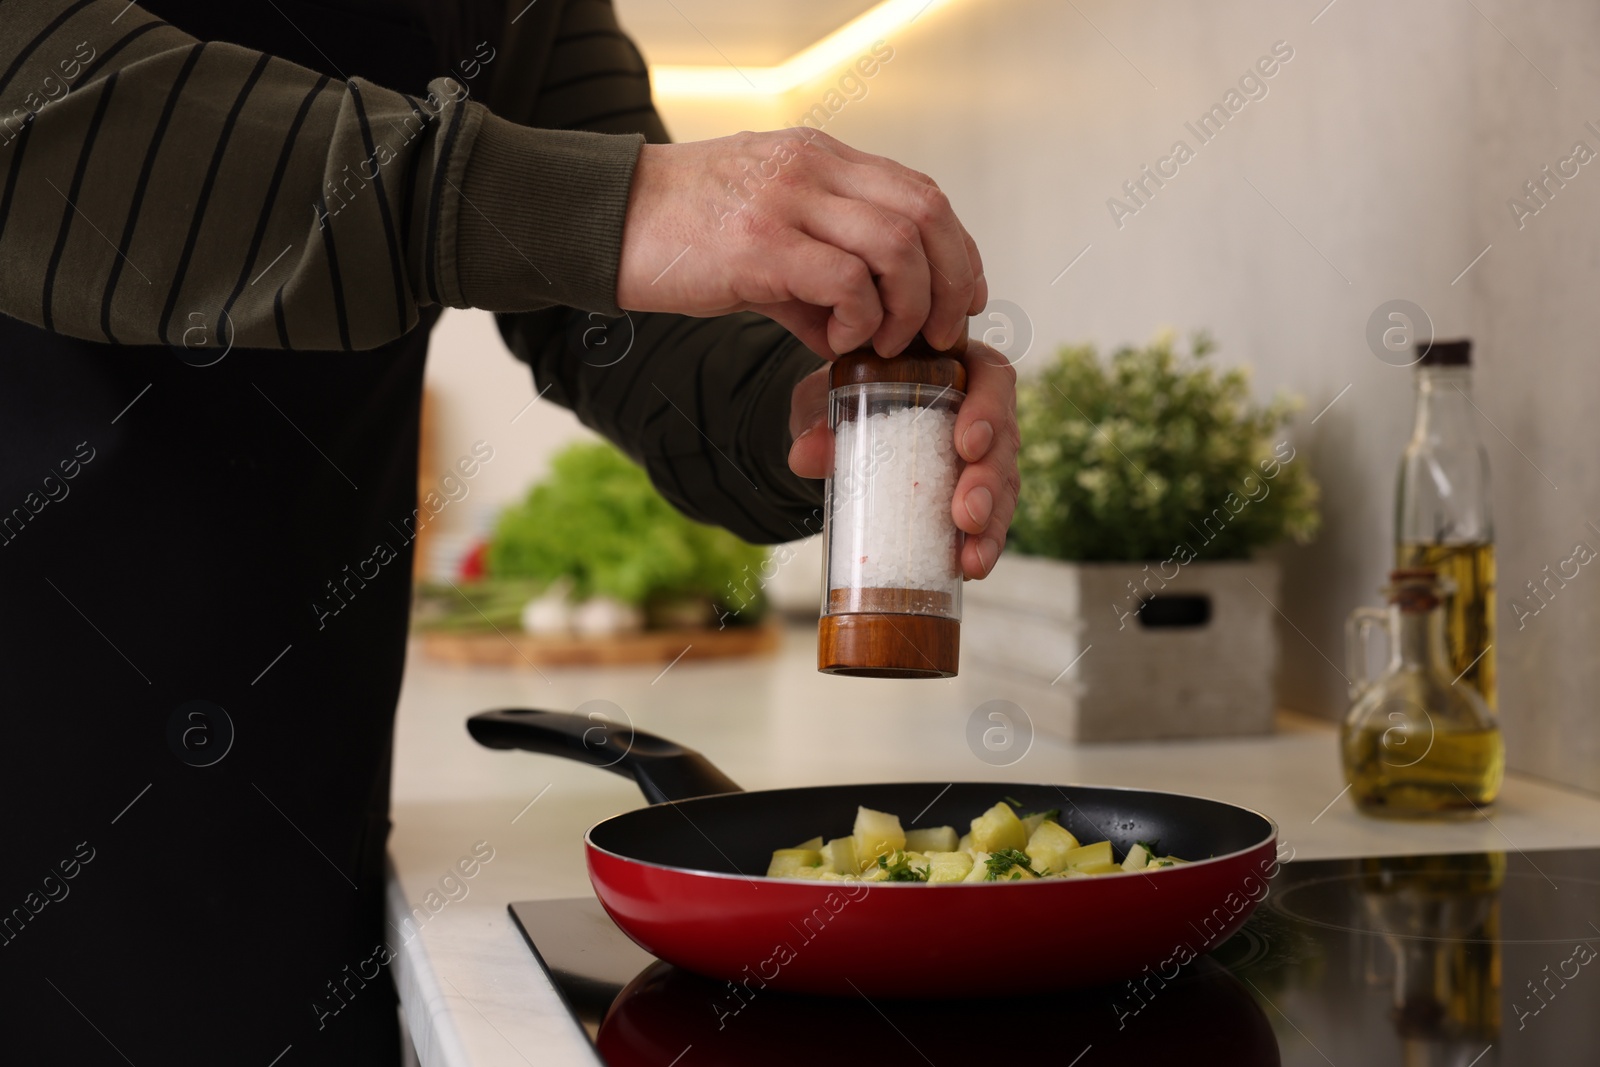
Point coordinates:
[[1088, 664]]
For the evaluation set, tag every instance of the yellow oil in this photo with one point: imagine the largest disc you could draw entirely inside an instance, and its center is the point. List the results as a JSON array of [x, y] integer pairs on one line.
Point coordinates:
[[1469, 609], [1460, 774], [1450, 970]]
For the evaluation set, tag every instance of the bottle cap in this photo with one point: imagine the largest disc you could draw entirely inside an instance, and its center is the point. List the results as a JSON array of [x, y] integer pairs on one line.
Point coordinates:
[[919, 364], [1447, 354]]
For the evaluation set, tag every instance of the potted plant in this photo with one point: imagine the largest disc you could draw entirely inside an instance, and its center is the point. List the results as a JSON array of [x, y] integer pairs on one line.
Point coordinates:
[[1130, 590]]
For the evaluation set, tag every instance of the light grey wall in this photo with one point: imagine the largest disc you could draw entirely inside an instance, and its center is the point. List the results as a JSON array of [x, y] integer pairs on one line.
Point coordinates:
[[1535, 311]]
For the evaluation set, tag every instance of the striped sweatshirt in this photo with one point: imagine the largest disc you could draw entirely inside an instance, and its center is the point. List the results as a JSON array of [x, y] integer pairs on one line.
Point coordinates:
[[145, 174]]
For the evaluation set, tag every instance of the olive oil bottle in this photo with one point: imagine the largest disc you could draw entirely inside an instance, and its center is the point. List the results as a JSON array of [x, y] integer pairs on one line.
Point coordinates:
[[1414, 743], [1467, 571], [1442, 518]]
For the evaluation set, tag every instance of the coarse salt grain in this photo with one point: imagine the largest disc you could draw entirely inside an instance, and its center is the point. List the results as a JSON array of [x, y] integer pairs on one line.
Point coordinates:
[[894, 479]]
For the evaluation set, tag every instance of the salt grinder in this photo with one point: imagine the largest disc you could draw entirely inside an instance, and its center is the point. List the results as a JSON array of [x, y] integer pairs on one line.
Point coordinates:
[[892, 577]]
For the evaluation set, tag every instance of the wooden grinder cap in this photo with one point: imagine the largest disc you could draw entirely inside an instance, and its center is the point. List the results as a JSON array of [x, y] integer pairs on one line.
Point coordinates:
[[919, 364]]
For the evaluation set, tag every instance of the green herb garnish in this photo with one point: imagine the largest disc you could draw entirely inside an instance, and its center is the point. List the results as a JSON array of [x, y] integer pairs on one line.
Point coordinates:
[[1151, 847], [1053, 815], [900, 869], [1009, 859]]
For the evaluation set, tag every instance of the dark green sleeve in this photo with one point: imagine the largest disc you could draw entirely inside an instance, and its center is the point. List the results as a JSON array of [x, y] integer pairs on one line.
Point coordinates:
[[701, 404], [147, 178]]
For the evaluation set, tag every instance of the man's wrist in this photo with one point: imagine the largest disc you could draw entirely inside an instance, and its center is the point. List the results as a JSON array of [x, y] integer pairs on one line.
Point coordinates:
[[540, 217]]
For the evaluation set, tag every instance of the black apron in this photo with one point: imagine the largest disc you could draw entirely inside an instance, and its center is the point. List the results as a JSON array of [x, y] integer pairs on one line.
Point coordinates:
[[195, 765]]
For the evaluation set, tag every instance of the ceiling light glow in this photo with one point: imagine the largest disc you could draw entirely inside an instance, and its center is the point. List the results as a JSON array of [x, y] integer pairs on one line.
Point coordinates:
[[838, 48]]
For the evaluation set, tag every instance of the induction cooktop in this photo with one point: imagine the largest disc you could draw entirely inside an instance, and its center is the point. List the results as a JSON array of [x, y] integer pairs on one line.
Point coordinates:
[[1466, 960]]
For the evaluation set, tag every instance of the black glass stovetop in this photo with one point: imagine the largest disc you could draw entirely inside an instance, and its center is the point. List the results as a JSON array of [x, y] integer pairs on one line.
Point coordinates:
[[1471, 960]]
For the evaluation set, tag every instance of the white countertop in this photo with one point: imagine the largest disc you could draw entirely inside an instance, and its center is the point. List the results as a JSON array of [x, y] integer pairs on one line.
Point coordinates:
[[471, 991]]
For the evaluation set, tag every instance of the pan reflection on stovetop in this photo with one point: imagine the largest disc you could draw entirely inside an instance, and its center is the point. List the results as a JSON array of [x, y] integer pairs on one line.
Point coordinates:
[[1476, 959]]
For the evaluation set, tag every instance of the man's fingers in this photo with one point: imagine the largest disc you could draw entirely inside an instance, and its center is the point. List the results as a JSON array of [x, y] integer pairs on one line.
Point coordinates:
[[855, 155], [943, 240], [826, 276], [980, 283], [985, 500], [989, 413], [811, 455], [808, 401], [808, 323], [979, 555], [986, 437], [891, 247]]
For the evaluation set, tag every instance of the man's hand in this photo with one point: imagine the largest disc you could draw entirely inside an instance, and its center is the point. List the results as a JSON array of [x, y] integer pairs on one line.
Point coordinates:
[[986, 437], [839, 246]]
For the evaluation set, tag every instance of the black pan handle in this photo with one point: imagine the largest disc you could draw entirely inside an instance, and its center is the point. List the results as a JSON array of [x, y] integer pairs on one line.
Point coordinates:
[[665, 770]]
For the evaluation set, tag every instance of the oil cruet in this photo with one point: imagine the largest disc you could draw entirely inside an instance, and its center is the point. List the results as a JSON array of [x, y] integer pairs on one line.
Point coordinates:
[[1416, 744]]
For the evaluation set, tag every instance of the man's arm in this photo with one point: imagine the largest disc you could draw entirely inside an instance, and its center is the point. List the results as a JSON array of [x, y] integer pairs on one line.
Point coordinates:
[[702, 404], [147, 178]]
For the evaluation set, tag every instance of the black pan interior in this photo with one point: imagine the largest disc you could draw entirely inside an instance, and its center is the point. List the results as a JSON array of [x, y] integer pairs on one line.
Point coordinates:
[[737, 832]]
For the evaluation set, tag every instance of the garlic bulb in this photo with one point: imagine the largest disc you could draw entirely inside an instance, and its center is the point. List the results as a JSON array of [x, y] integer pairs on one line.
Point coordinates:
[[549, 614], [603, 616]]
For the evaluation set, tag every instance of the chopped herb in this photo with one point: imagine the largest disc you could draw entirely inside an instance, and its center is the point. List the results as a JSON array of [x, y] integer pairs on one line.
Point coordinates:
[[1152, 847], [901, 870], [1053, 814], [999, 863]]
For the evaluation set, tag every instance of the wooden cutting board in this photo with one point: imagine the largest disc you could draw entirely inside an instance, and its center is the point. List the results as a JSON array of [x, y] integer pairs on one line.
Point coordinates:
[[516, 649]]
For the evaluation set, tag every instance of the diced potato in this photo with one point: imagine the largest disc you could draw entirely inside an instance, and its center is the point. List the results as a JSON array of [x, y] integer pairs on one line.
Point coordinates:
[[980, 869], [1038, 819], [809, 873], [815, 844], [1109, 867], [1138, 856], [965, 844], [998, 829], [935, 839], [1099, 852], [877, 833], [1017, 874], [839, 856], [1048, 846], [949, 866], [786, 861]]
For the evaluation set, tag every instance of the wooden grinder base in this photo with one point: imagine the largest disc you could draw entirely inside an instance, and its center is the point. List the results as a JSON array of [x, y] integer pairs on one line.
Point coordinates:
[[888, 645]]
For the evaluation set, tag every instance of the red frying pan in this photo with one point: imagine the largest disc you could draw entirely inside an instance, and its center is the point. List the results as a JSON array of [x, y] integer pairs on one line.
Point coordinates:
[[684, 878]]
